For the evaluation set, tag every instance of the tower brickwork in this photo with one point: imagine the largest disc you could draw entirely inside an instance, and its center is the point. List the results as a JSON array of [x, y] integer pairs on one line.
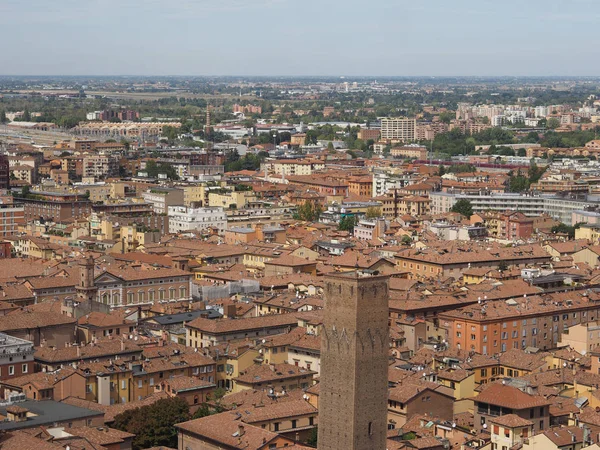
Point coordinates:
[[354, 364], [86, 289]]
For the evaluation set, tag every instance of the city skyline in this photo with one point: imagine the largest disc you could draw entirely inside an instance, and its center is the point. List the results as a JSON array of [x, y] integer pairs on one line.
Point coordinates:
[[276, 37]]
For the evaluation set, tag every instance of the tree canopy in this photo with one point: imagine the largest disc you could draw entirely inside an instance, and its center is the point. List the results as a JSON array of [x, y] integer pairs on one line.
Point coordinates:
[[464, 207], [347, 223], [154, 169], [308, 211], [153, 424]]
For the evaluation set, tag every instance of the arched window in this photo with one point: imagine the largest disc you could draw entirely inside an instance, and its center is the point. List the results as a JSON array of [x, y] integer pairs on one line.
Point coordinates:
[[172, 293], [116, 299], [105, 298]]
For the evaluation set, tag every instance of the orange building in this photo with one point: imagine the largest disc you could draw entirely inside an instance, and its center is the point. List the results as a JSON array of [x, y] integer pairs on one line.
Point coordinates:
[[362, 186], [497, 326]]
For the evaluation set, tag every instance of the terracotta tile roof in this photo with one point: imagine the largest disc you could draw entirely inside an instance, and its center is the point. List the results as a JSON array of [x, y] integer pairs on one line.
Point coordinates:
[[227, 429], [99, 319], [519, 359], [454, 375], [20, 440], [253, 397], [276, 410], [509, 397], [41, 380], [454, 252], [409, 389], [425, 443], [185, 383], [265, 373], [26, 319], [103, 348], [218, 326], [101, 435], [563, 406], [511, 421], [565, 436], [289, 261], [308, 342], [131, 274], [14, 292]]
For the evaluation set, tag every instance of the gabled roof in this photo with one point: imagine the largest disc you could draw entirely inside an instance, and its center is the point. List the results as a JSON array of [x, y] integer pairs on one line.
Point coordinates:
[[509, 397]]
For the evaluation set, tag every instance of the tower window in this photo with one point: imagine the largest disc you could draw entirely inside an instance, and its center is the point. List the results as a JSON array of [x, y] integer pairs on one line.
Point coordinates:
[[370, 428]]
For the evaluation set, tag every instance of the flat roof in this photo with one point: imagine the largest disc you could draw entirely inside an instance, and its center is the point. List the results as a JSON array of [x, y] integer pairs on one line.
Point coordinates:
[[47, 412]]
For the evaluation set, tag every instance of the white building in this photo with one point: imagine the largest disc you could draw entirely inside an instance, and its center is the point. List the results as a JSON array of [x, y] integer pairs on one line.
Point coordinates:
[[531, 205], [94, 115], [497, 120], [541, 111], [183, 218]]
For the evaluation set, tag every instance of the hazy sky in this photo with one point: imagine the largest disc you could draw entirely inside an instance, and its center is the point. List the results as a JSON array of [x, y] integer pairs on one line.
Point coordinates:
[[300, 37]]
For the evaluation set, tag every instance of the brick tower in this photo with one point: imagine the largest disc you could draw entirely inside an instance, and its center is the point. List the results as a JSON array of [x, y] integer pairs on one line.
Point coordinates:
[[86, 289], [354, 364]]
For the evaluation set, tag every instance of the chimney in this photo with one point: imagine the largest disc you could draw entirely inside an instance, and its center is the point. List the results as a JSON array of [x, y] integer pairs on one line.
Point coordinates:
[[241, 430], [79, 351], [122, 345]]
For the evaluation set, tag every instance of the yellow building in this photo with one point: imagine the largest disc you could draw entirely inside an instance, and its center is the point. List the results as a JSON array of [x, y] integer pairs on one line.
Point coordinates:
[[231, 361], [462, 382], [226, 199], [195, 194]]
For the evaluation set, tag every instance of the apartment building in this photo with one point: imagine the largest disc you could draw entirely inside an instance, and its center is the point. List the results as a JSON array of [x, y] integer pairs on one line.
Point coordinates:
[[531, 205], [398, 129], [225, 198], [4, 172], [55, 206], [11, 216], [99, 166], [536, 321], [498, 400], [183, 218], [203, 332], [16, 357], [162, 197], [361, 186], [292, 166]]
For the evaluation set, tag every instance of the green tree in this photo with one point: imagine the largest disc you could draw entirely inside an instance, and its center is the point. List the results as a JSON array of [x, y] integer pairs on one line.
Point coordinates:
[[447, 116], [566, 229], [553, 123], [3, 118], [153, 424], [170, 132], [154, 169], [518, 183], [373, 212], [347, 223], [309, 211], [534, 172], [441, 170], [463, 207], [26, 117]]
